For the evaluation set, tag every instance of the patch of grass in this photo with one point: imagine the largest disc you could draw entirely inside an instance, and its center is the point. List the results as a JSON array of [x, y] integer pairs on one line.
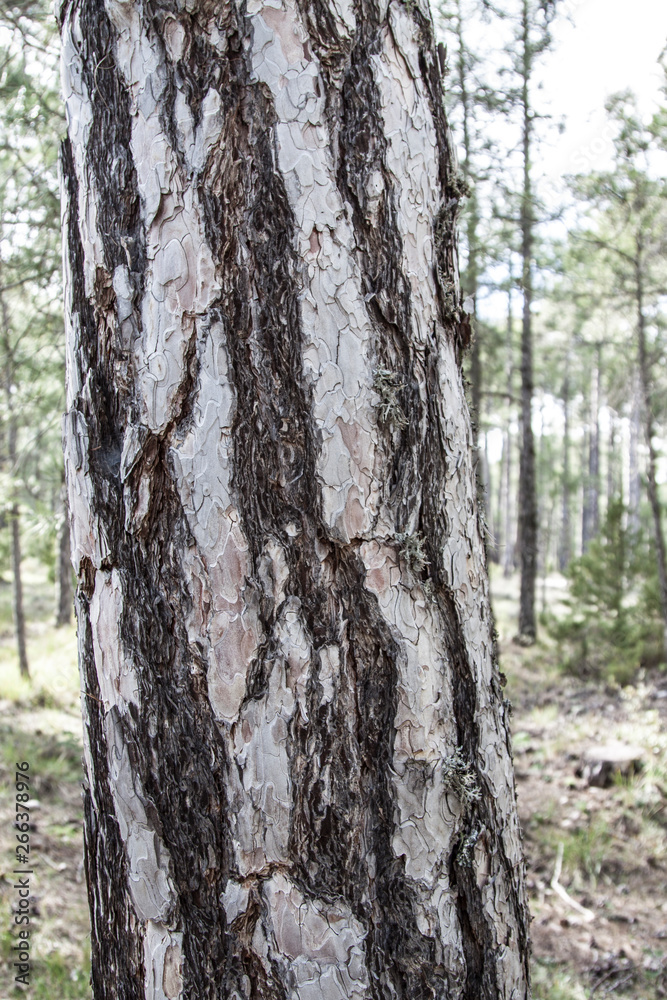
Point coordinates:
[[51, 651], [65, 832], [553, 981], [52, 758], [52, 658], [585, 849], [51, 976]]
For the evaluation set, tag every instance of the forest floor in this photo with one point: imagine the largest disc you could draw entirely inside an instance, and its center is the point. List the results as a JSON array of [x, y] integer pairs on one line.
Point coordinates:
[[606, 934], [602, 932]]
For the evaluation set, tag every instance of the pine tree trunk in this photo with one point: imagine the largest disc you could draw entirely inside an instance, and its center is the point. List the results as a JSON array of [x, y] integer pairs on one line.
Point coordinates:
[[18, 613], [484, 477], [647, 411], [590, 524], [614, 487], [63, 569], [634, 477], [565, 547], [527, 485], [299, 779], [510, 522], [508, 505]]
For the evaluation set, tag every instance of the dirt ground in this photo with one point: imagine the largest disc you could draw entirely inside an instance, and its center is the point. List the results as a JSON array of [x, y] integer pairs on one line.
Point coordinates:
[[606, 935], [599, 931]]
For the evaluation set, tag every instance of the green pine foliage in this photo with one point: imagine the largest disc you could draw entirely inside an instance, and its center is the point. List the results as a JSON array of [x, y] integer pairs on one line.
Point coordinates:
[[31, 320], [612, 626]]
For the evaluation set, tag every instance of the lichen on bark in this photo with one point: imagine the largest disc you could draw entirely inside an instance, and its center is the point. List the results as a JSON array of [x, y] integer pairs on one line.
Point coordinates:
[[299, 779]]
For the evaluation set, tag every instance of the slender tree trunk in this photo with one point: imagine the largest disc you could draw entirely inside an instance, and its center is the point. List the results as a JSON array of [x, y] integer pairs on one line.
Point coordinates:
[[500, 504], [484, 474], [583, 464], [634, 477], [647, 410], [527, 487], [565, 548], [614, 482], [510, 522], [299, 781], [590, 524], [18, 613], [508, 506], [470, 277], [63, 568]]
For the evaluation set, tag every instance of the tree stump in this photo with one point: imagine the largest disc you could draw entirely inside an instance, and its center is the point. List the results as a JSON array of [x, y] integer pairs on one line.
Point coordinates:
[[602, 763]]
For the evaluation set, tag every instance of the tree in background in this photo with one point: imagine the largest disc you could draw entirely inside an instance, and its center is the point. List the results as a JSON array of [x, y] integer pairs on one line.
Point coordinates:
[[31, 348], [629, 233], [532, 40]]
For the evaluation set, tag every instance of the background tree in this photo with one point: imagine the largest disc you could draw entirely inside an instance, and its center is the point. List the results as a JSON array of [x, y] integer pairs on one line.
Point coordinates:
[[631, 236], [31, 349]]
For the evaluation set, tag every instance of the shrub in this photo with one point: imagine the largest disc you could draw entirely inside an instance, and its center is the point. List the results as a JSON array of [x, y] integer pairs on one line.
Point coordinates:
[[612, 626]]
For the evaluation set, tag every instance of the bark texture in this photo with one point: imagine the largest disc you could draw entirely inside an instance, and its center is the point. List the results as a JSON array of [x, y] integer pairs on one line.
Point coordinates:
[[299, 776]]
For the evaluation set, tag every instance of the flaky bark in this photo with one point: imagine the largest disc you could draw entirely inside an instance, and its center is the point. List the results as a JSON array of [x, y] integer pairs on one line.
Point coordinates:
[[299, 780]]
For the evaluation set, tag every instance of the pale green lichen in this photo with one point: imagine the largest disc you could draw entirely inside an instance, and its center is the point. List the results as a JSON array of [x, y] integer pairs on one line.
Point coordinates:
[[387, 384], [458, 777], [412, 552]]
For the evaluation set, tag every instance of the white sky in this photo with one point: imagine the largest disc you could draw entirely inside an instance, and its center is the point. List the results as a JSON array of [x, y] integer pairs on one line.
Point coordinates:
[[603, 47]]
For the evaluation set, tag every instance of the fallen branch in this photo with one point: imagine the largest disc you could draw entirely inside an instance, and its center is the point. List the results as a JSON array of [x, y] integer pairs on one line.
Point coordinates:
[[587, 915]]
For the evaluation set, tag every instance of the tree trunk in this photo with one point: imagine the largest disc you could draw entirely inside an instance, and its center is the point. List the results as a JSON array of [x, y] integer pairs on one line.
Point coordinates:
[[647, 410], [508, 506], [612, 469], [63, 569], [634, 477], [527, 486], [565, 547], [484, 476], [590, 524], [470, 276], [510, 523], [18, 613], [299, 781]]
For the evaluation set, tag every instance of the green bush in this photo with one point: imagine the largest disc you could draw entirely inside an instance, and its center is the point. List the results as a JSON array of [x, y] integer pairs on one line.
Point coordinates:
[[612, 626]]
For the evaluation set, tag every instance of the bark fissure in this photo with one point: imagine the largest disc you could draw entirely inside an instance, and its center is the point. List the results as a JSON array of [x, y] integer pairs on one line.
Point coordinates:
[[289, 663]]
